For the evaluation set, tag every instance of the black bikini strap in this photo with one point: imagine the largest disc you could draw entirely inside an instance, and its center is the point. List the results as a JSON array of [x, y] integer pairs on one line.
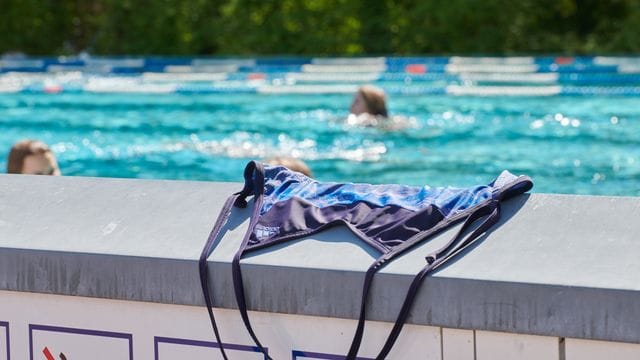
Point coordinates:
[[256, 176], [488, 209], [253, 183], [357, 337], [204, 268], [454, 247], [378, 264], [440, 257]]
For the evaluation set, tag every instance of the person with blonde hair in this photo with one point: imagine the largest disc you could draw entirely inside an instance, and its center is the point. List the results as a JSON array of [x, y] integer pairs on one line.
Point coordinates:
[[32, 157], [290, 163], [369, 109], [369, 100]]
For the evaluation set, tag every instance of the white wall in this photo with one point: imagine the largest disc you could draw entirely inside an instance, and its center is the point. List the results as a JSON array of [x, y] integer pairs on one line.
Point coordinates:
[[90, 328]]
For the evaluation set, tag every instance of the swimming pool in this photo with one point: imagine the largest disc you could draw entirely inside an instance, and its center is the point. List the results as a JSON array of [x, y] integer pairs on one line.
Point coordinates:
[[575, 145], [568, 141]]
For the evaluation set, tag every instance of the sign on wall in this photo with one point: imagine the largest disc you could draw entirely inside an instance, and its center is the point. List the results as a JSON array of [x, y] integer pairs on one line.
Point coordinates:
[[308, 355], [177, 349], [62, 343], [4, 341]]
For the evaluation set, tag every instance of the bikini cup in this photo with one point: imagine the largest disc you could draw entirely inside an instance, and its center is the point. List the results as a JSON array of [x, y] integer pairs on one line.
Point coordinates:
[[392, 219]]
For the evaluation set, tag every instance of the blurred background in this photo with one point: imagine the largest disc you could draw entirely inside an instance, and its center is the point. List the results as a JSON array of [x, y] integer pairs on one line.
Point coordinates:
[[319, 27], [192, 90]]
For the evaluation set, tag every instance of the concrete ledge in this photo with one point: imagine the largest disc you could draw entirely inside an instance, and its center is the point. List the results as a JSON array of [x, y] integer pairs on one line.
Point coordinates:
[[557, 265]]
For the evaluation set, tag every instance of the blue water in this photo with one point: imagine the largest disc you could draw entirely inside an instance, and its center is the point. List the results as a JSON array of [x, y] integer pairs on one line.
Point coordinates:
[[576, 145]]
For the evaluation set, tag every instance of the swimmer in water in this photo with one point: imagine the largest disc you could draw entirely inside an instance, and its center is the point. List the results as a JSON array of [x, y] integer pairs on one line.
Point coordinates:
[[290, 163], [369, 109], [32, 157]]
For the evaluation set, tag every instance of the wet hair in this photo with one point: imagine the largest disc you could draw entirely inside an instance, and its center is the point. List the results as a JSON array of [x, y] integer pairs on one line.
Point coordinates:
[[375, 99], [20, 150], [290, 163]]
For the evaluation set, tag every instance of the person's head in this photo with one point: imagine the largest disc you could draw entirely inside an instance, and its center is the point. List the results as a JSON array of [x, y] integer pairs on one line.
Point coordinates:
[[32, 157], [371, 100], [290, 163]]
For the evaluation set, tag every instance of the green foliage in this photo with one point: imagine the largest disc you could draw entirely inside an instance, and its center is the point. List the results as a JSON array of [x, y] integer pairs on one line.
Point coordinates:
[[289, 27], [319, 27]]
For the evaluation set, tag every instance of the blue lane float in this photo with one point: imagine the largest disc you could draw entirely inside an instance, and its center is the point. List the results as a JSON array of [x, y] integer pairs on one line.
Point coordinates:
[[454, 90], [596, 64], [460, 76]]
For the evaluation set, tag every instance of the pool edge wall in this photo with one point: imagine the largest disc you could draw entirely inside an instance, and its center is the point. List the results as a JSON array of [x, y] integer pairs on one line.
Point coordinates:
[[557, 266]]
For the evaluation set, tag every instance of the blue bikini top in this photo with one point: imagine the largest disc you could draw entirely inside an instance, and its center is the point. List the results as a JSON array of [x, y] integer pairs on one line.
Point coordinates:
[[390, 218]]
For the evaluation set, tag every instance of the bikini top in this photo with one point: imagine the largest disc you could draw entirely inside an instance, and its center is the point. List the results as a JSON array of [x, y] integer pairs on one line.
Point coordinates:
[[391, 219]]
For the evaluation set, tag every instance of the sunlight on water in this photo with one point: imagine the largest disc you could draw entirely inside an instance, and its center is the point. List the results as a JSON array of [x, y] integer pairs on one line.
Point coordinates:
[[580, 145]]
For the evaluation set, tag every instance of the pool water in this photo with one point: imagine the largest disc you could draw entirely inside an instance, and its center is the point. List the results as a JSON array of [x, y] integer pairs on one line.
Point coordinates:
[[574, 145]]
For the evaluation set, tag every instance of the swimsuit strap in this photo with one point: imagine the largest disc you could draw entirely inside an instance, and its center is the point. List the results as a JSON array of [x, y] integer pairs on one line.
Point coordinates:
[[377, 265], [491, 208], [437, 259], [204, 268], [357, 336], [380, 262], [453, 248], [254, 185]]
